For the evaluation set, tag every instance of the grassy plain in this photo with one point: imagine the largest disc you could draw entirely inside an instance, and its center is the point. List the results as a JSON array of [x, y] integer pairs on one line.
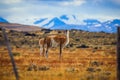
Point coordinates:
[[89, 56]]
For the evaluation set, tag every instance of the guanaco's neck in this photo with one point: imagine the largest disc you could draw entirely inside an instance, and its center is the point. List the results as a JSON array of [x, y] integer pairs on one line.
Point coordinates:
[[67, 35]]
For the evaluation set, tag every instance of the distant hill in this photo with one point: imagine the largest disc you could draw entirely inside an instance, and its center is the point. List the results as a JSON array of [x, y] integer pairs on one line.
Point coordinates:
[[19, 27]]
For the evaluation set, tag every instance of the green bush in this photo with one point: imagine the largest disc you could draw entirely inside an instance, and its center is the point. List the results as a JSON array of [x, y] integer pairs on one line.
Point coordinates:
[[16, 54]]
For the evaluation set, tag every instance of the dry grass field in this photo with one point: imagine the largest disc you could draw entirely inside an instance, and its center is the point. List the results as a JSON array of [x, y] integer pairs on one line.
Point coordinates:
[[89, 56]]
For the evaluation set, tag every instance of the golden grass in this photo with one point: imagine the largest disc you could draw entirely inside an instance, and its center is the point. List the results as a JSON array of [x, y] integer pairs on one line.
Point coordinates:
[[76, 64]]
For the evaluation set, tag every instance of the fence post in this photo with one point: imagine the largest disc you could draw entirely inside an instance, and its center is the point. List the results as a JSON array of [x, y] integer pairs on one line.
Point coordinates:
[[118, 53], [10, 53]]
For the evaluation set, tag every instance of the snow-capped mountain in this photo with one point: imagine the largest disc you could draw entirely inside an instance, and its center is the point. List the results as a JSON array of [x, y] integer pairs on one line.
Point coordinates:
[[72, 22], [3, 20], [69, 22], [52, 22]]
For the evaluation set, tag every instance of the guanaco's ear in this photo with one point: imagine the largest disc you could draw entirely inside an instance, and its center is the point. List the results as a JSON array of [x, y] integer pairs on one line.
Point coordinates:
[[66, 31]]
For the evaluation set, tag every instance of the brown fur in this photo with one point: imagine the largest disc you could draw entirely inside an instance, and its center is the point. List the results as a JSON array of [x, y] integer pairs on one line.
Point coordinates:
[[60, 39], [53, 40]]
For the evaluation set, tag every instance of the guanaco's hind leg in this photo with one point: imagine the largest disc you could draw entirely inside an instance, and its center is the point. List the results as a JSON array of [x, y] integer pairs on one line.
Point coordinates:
[[41, 50]]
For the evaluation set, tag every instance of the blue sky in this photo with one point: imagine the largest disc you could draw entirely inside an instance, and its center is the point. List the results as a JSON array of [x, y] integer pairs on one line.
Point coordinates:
[[26, 11]]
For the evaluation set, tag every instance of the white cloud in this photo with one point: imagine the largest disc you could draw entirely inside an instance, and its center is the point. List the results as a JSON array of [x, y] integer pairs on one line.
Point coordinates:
[[73, 3], [11, 1], [26, 11]]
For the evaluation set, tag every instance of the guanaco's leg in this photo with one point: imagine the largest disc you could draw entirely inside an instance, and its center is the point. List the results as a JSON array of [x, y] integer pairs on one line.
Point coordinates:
[[41, 50], [60, 51]]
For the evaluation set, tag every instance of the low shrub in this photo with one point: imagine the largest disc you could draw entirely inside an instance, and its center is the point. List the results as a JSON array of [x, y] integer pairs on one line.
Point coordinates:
[[16, 54]]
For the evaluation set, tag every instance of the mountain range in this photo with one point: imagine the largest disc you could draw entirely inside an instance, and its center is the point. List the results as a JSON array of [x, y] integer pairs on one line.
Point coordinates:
[[68, 22], [71, 22], [3, 20]]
